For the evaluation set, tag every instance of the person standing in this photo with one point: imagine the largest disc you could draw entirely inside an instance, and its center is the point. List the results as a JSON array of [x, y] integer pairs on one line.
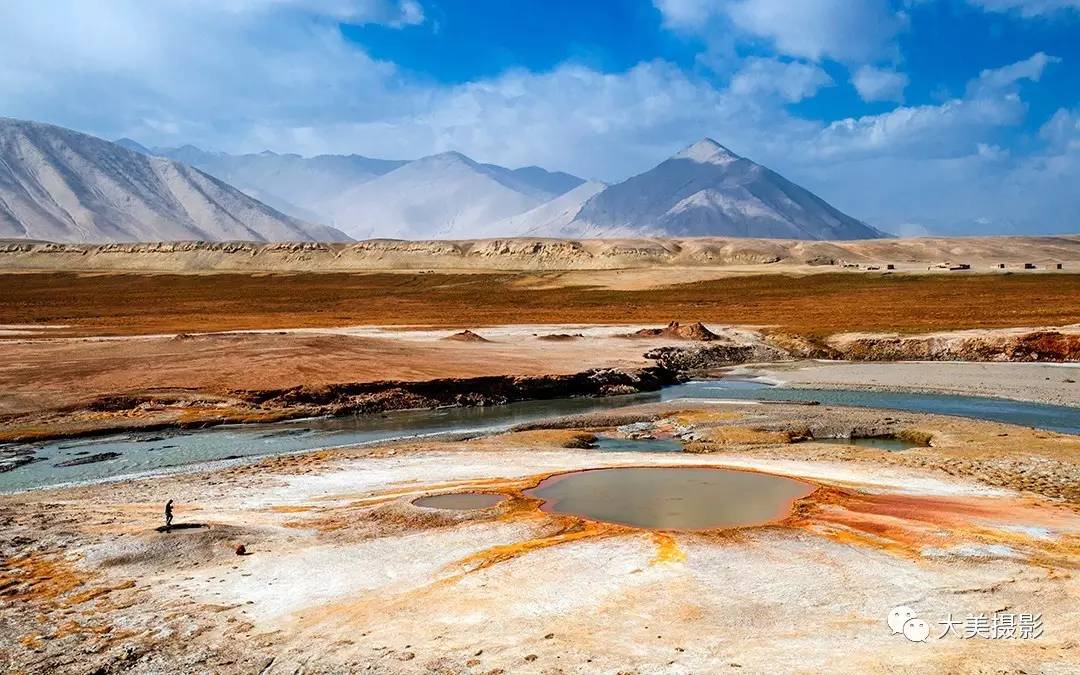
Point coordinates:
[[168, 515]]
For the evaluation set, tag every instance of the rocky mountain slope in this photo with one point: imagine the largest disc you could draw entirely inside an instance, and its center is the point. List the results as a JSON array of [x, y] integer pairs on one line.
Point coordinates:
[[64, 186], [707, 190]]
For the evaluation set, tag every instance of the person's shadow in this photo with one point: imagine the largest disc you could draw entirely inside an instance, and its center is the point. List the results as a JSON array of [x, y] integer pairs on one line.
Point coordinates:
[[179, 526]]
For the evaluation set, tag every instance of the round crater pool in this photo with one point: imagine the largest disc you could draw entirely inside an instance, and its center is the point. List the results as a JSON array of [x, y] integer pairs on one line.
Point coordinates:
[[671, 498], [460, 501]]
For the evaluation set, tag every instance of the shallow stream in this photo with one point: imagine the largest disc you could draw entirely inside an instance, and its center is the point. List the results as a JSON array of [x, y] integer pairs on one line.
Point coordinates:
[[143, 452]]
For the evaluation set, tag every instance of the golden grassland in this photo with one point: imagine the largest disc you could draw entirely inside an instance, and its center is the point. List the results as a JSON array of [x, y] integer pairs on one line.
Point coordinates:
[[128, 303]]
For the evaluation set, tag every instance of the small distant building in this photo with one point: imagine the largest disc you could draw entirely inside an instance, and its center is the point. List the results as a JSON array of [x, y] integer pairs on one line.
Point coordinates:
[[1001, 266], [960, 266], [1029, 266], [890, 266], [1057, 266]]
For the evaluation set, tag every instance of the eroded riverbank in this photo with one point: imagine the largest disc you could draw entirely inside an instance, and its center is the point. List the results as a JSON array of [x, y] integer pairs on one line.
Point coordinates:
[[57, 388]]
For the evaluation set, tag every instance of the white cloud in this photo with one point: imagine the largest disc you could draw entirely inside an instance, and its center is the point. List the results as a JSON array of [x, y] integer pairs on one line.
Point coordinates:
[[395, 13], [851, 31], [928, 131], [951, 129], [1027, 8], [879, 84], [604, 125], [687, 15], [1062, 130], [791, 81], [991, 152], [203, 68], [994, 79]]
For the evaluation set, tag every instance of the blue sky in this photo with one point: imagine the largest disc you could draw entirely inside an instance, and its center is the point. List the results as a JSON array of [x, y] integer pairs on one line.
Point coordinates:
[[953, 116]]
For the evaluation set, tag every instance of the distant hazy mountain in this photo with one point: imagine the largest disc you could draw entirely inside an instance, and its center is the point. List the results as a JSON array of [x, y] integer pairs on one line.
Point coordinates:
[[541, 182], [442, 196], [299, 186], [134, 146], [551, 218], [707, 190], [312, 188], [61, 185]]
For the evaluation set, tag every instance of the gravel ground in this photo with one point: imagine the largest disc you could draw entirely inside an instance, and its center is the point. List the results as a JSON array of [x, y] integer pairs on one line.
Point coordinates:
[[1055, 383]]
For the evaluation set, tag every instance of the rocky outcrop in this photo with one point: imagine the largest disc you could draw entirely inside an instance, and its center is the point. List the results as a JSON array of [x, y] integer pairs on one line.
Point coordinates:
[[676, 331], [14, 455], [466, 336], [561, 337], [802, 346], [88, 459], [683, 359]]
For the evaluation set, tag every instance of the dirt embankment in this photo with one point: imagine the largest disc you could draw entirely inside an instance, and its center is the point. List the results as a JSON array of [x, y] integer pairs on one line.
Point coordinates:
[[368, 397], [1018, 346]]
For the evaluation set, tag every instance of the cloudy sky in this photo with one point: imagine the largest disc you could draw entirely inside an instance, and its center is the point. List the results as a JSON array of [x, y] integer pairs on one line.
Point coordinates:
[[950, 116]]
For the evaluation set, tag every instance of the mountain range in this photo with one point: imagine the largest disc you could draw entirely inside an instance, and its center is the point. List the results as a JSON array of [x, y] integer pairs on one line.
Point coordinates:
[[61, 185]]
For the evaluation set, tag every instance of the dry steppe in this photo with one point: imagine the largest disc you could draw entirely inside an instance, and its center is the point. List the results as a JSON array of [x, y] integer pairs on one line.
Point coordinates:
[[67, 304]]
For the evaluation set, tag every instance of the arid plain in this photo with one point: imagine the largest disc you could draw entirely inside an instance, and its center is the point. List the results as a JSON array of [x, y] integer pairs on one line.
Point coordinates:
[[950, 514]]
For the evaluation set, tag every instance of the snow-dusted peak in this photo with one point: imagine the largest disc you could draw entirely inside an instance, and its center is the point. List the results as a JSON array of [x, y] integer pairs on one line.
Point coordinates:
[[707, 151]]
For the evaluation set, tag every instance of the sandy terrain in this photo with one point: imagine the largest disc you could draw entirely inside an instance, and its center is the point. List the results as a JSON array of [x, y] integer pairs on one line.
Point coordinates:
[[907, 255], [39, 375], [343, 573]]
